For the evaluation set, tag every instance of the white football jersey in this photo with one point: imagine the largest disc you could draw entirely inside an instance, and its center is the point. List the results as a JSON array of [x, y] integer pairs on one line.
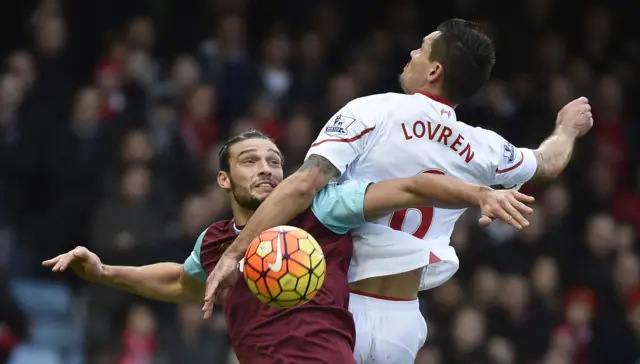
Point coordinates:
[[386, 136]]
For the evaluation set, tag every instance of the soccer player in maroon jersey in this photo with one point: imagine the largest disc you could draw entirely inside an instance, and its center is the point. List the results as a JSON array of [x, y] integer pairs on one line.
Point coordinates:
[[321, 330]]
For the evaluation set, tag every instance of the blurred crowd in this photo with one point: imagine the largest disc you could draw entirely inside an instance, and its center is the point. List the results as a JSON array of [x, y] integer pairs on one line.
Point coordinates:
[[112, 113]]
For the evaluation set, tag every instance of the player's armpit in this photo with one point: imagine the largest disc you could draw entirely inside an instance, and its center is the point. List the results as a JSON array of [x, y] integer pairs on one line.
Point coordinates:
[[191, 290], [425, 189]]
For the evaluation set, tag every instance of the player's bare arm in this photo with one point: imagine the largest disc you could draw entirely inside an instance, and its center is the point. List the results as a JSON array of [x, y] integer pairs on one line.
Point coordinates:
[[162, 281], [292, 196], [553, 155], [447, 192]]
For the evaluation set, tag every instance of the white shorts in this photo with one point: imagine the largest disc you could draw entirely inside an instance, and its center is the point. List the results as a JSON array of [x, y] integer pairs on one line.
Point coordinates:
[[388, 332]]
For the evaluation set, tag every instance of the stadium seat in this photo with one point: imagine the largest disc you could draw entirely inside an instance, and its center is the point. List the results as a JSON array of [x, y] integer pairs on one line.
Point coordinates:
[[55, 333], [76, 357], [37, 298], [22, 263], [31, 354]]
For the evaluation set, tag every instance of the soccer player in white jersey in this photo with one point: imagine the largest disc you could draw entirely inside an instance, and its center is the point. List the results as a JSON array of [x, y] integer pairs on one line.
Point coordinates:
[[391, 135]]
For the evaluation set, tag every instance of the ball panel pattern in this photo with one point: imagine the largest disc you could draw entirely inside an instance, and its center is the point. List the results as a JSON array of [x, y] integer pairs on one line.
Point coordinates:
[[301, 267]]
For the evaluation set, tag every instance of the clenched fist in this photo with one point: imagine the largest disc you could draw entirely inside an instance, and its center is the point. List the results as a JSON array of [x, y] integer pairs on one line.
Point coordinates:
[[576, 117]]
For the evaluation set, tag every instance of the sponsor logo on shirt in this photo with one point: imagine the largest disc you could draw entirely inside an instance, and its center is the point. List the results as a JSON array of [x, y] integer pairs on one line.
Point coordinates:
[[339, 126], [509, 153]]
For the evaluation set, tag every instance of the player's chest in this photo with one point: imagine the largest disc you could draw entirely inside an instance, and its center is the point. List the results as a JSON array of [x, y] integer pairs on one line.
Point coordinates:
[[389, 162], [211, 251]]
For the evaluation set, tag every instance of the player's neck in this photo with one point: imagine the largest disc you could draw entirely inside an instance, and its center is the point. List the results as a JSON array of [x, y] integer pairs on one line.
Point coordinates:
[[436, 96], [240, 214], [433, 92]]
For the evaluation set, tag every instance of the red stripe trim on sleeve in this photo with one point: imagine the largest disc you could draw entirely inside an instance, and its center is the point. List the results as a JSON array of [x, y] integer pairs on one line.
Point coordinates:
[[499, 171], [352, 139]]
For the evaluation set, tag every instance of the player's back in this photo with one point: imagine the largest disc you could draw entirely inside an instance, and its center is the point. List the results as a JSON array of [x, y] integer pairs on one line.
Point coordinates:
[[260, 331], [419, 134]]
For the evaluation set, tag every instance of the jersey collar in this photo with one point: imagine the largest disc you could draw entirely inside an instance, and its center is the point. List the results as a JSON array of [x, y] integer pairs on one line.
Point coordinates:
[[236, 229], [437, 98]]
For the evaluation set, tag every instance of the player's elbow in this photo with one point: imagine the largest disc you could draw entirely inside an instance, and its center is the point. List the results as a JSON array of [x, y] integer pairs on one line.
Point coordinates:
[[305, 185], [385, 197], [411, 189], [313, 175]]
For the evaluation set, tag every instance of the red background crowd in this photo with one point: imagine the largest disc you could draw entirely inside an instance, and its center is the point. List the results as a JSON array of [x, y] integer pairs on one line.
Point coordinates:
[[112, 113]]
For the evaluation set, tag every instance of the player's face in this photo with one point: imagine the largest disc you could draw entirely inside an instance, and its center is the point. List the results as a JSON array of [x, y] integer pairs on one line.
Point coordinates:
[[420, 72], [256, 169]]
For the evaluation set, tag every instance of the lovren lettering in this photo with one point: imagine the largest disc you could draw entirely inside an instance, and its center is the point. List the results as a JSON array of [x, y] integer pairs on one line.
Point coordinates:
[[441, 134]]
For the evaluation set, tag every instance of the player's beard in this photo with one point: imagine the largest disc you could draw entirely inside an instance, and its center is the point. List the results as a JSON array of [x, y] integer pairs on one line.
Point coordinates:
[[243, 197]]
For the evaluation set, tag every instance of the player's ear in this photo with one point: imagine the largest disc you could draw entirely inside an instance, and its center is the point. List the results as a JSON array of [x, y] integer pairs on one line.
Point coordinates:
[[435, 72], [224, 180]]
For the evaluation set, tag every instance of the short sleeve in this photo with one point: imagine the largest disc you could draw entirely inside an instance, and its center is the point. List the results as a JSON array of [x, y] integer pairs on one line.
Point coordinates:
[[516, 166], [341, 207], [344, 137], [192, 265]]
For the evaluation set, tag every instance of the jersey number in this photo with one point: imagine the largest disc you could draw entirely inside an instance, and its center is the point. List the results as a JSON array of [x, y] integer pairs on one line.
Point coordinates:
[[426, 216]]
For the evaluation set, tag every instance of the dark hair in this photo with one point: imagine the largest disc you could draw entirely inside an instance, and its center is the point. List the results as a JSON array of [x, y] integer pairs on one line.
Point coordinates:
[[223, 154], [467, 56]]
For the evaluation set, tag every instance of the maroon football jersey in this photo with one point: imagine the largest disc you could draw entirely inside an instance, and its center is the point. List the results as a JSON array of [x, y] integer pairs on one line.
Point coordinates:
[[319, 331]]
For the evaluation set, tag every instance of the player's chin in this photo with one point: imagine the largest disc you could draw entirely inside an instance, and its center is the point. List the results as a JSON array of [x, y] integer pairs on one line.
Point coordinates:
[[401, 79], [261, 193]]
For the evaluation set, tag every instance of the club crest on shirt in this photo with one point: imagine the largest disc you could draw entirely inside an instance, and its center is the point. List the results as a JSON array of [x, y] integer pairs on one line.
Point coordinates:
[[339, 126]]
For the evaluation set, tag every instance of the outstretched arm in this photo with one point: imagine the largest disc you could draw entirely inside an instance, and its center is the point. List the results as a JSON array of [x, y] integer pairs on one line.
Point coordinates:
[[162, 282], [288, 200], [553, 155], [347, 206], [516, 166], [168, 282], [386, 197]]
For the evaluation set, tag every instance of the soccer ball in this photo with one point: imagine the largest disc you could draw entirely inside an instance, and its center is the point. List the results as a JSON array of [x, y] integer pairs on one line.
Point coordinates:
[[284, 266]]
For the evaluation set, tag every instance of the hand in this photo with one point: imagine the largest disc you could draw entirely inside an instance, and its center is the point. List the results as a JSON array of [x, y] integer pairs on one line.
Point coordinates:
[[221, 279], [85, 263], [506, 205], [576, 116]]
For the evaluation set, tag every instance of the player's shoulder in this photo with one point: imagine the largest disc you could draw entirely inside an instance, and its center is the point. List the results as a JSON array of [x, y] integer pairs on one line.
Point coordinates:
[[486, 138], [219, 234], [307, 220], [311, 223], [388, 108], [494, 146], [376, 98], [380, 102]]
